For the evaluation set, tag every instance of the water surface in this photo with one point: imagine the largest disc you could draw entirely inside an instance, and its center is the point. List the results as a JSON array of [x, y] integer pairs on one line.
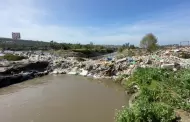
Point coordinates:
[[61, 98]]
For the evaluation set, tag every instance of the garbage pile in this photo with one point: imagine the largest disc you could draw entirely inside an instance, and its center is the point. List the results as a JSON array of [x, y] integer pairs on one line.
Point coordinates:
[[111, 67]]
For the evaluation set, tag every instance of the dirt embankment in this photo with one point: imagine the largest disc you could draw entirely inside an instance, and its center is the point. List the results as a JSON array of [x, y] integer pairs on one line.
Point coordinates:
[[20, 72]]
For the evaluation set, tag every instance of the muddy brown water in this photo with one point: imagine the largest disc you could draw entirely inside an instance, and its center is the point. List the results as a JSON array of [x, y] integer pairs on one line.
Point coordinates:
[[61, 98]]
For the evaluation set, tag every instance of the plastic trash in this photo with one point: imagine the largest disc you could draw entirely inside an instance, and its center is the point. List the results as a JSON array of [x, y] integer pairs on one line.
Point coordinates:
[[109, 59]]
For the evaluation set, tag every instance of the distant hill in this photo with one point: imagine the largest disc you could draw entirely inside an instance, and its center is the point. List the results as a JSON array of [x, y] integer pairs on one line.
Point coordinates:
[[21, 42], [11, 44]]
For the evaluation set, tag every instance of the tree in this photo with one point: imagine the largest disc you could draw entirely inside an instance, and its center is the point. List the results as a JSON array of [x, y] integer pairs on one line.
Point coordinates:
[[149, 42], [51, 44], [132, 46], [126, 45], [91, 43], [120, 49]]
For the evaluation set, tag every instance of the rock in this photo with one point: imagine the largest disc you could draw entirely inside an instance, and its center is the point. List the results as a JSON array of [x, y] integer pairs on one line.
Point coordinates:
[[55, 72], [89, 67], [162, 61], [89, 75], [167, 53], [131, 66], [27, 75], [40, 74], [128, 72], [65, 65], [143, 66], [96, 66], [129, 59], [61, 71], [25, 66], [115, 78], [121, 60], [73, 71], [141, 63], [177, 65], [96, 77], [84, 72], [118, 67], [118, 73], [136, 87], [110, 71], [167, 66], [176, 50], [81, 65], [17, 78], [140, 60], [148, 61], [174, 69]]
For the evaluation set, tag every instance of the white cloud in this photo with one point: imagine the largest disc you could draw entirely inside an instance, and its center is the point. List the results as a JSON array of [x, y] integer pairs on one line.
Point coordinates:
[[27, 17]]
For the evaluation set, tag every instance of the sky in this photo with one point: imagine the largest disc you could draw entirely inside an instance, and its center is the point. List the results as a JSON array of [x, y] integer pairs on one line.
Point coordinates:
[[98, 21]]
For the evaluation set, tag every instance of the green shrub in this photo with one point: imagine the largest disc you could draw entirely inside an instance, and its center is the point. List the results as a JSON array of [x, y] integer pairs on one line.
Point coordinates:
[[185, 55], [161, 92], [144, 111], [11, 57], [120, 50], [125, 53], [84, 51]]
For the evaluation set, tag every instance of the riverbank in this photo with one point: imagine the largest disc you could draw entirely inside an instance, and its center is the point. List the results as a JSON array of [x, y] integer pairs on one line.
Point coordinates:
[[159, 95], [107, 67], [163, 63], [12, 72]]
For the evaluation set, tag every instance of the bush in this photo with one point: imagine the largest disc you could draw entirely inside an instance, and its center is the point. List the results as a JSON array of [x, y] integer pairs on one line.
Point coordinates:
[[11, 57], [125, 53], [161, 92], [84, 51], [146, 112], [185, 55], [149, 41], [120, 50]]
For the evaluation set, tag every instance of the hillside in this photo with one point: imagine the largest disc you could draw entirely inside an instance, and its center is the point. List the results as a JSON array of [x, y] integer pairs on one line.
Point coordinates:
[[9, 41]]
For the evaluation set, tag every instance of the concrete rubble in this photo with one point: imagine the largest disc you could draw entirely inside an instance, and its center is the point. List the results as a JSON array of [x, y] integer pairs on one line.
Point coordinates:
[[112, 68], [104, 68]]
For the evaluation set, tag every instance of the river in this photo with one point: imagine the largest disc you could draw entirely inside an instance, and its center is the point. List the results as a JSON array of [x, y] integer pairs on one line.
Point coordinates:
[[61, 98]]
